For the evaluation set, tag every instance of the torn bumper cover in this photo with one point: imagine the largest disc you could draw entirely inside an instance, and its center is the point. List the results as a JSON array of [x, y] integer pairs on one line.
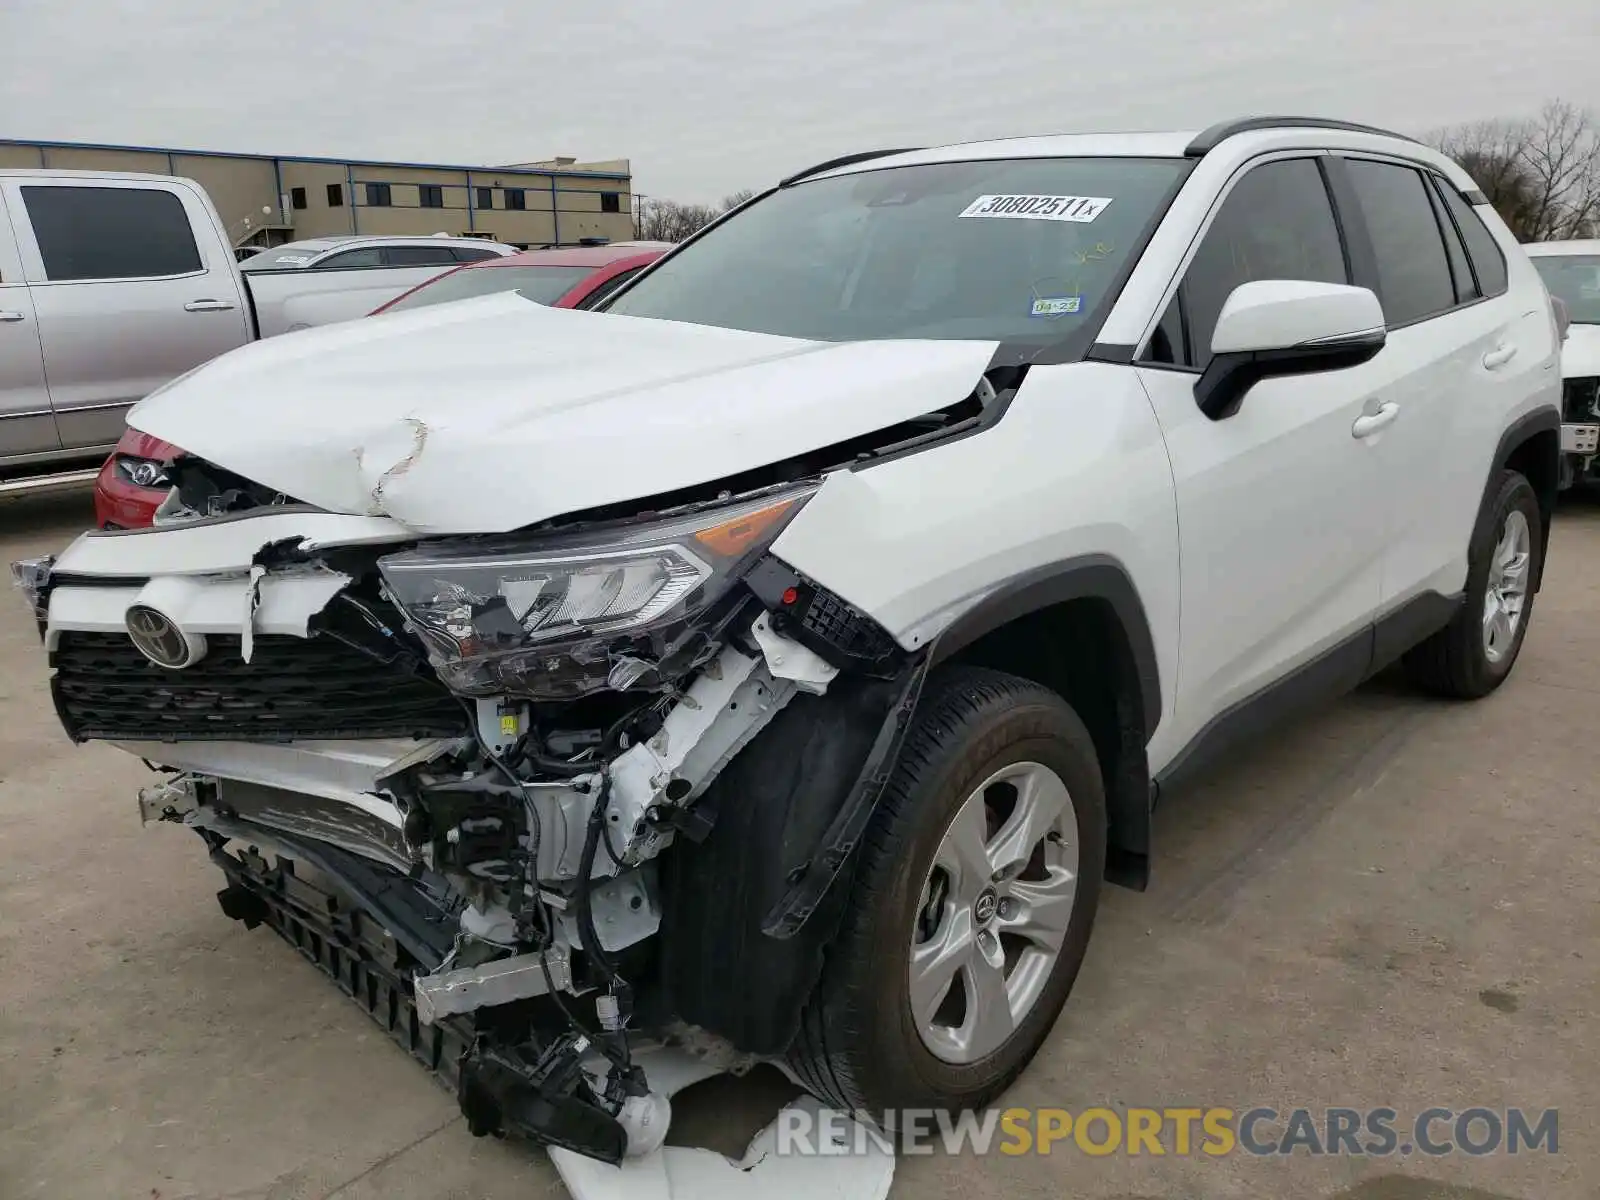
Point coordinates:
[[473, 780]]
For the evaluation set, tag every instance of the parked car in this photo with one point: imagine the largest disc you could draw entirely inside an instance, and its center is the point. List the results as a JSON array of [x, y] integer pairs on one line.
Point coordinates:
[[791, 652], [1571, 272], [376, 250], [114, 284], [134, 480], [575, 278]]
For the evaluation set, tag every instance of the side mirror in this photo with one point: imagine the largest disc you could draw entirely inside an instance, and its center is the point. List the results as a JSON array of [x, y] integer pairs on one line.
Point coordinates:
[[1286, 327]]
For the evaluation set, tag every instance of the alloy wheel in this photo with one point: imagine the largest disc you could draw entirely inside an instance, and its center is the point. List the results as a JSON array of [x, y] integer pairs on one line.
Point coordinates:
[[993, 912]]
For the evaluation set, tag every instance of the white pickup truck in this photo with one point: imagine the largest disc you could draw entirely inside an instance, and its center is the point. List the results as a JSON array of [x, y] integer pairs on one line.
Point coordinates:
[[113, 284]]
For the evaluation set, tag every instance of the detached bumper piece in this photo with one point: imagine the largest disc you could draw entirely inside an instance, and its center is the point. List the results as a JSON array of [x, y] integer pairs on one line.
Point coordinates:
[[331, 930], [503, 1088]]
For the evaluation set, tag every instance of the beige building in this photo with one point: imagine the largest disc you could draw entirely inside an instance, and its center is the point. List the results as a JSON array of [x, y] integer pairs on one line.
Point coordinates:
[[271, 200]]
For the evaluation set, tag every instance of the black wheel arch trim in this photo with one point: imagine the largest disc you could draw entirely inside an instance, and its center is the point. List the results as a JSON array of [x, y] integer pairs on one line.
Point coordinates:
[[1519, 432], [1086, 577]]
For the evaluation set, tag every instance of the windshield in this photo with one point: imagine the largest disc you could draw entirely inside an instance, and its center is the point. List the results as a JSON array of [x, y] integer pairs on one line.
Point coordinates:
[[542, 285], [1019, 250], [278, 258], [1575, 280]]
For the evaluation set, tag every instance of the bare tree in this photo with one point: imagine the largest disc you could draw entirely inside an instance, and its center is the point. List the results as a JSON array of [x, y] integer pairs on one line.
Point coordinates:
[[669, 221], [1541, 174]]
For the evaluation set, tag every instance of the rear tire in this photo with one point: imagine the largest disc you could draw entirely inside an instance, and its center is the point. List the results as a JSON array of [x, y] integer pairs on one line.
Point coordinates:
[[998, 758], [1474, 654]]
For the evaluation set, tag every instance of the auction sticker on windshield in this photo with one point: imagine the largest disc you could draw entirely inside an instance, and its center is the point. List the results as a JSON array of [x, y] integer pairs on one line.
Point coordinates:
[[1038, 208]]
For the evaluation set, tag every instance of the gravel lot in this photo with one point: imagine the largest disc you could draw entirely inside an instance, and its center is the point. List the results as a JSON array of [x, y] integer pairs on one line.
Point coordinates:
[[1393, 904]]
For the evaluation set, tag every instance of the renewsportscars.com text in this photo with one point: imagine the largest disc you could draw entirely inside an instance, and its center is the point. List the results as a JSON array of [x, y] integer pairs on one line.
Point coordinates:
[[1181, 1131]]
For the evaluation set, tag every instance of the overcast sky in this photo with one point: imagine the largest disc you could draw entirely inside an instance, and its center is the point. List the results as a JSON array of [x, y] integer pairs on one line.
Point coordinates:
[[708, 96]]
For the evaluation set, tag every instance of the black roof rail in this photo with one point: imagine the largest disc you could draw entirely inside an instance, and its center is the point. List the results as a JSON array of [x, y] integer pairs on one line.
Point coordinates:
[[1211, 138], [844, 160]]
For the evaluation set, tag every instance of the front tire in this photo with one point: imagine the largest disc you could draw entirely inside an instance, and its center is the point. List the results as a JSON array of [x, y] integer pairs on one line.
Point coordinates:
[[1474, 654], [972, 903]]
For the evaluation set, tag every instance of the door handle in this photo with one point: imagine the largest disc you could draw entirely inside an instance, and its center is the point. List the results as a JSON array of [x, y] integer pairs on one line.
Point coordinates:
[[207, 306], [10, 316], [1499, 356], [1368, 424]]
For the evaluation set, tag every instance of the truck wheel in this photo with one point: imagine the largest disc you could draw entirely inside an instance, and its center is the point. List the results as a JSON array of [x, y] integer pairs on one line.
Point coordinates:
[[1472, 655], [971, 906]]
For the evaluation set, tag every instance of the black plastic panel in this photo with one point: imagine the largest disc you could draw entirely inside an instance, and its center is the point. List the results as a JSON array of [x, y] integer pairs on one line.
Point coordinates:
[[292, 688]]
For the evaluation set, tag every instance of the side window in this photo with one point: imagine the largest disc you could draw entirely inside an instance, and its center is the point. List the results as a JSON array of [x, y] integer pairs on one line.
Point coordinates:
[[1167, 343], [1276, 223], [1413, 270], [1482, 249], [366, 256], [472, 254], [111, 233], [601, 293], [418, 256], [1460, 271]]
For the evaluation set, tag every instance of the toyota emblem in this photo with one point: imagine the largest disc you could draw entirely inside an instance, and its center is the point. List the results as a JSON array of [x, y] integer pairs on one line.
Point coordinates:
[[160, 639]]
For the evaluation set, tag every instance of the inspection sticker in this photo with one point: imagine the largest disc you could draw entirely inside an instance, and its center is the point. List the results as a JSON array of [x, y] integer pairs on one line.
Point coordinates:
[[1039, 208], [1055, 306]]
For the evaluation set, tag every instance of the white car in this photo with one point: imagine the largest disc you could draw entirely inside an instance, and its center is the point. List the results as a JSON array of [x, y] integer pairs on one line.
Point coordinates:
[[1571, 272], [375, 250], [790, 651]]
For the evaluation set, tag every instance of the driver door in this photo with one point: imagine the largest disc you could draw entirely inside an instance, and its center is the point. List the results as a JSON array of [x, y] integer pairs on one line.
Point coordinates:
[[1280, 506]]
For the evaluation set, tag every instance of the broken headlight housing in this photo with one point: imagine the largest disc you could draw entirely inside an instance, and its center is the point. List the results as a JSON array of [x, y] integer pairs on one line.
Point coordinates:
[[142, 472], [560, 616]]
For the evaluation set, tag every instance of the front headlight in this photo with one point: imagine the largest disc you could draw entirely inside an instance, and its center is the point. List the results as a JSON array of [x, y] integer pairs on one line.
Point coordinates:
[[142, 472], [571, 614]]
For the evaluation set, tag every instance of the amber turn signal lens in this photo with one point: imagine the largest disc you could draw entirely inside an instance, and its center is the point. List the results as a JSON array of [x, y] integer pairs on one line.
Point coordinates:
[[733, 538]]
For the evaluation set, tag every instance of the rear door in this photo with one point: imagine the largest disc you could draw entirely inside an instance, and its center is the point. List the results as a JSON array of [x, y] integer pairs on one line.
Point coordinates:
[[127, 295], [27, 425], [1461, 353]]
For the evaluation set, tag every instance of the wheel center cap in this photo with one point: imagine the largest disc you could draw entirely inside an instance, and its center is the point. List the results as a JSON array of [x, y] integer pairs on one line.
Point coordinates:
[[984, 906]]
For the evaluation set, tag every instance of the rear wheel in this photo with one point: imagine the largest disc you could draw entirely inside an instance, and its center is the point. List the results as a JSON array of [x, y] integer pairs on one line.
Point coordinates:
[[972, 904], [1472, 655]]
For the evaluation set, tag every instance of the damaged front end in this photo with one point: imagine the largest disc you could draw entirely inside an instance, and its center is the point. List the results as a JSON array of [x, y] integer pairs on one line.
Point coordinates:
[[538, 801]]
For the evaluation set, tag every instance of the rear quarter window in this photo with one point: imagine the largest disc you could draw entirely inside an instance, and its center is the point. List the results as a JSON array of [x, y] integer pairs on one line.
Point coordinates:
[[1488, 263]]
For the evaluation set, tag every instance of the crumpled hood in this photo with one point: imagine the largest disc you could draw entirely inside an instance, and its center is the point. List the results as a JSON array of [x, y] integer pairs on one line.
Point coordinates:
[[486, 415], [1580, 353]]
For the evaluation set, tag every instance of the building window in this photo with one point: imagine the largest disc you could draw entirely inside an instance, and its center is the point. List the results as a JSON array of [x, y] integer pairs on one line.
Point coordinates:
[[485, 197], [297, 197], [432, 195], [516, 199], [610, 201], [335, 195], [378, 195]]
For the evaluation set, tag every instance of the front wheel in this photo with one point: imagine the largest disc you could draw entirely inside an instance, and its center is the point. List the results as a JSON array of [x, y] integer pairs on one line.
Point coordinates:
[[1472, 655], [972, 905]]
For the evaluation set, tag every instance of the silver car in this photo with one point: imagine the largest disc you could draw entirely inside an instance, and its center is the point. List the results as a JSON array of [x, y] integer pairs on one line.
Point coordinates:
[[375, 251]]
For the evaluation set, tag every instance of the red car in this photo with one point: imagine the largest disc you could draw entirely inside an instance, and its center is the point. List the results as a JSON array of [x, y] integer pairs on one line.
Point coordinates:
[[133, 482]]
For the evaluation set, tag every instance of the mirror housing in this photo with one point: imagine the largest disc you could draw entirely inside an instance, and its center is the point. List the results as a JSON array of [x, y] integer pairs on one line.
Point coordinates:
[[1272, 327]]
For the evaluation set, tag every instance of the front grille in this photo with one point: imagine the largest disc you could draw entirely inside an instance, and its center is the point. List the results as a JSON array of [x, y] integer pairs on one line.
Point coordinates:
[[1580, 400], [292, 688]]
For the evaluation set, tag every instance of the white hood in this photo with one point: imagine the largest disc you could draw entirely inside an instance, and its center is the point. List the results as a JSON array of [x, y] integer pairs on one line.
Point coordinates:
[[1580, 353], [490, 414]]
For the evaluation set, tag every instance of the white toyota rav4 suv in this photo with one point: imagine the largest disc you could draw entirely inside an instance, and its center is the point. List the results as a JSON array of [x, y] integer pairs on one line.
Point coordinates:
[[788, 653]]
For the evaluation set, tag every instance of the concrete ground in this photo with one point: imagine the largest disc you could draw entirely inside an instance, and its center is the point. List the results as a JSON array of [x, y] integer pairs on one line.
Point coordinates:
[[1393, 904]]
